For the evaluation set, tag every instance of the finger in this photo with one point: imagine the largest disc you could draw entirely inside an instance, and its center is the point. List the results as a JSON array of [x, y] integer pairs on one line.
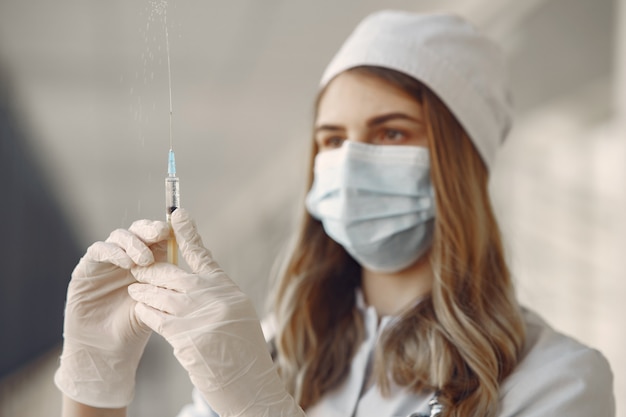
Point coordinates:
[[132, 245], [108, 253], [166, 275], [152, 318], [159, 251], [154, 297], [150, 231], [190, 243]]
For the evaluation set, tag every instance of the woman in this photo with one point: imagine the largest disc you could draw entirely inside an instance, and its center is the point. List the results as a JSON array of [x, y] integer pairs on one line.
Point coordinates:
[[396, 299]]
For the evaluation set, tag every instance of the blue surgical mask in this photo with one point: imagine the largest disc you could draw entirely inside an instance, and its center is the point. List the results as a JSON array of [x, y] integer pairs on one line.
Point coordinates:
[[376, 201]]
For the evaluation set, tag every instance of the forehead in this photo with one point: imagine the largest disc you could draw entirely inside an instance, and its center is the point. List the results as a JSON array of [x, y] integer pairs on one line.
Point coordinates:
[[355, 95]]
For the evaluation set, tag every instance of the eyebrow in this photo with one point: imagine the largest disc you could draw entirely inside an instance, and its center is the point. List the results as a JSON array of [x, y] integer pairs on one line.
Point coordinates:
[[391, 116], [331, 128], [374, 121]]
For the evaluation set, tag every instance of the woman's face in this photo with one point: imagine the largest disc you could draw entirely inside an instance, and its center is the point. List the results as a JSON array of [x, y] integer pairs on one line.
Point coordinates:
[[365, 108]]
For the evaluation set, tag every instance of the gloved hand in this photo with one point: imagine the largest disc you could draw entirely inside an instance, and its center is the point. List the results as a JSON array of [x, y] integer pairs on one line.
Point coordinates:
[[103, 340], [213, 329]]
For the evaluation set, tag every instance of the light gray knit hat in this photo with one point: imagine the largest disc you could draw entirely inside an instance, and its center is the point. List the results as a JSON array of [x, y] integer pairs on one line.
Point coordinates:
[[463, 67]]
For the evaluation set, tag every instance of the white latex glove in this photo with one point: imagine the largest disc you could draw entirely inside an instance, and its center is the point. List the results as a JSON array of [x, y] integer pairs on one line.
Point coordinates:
[[213, 329], [103, 340]]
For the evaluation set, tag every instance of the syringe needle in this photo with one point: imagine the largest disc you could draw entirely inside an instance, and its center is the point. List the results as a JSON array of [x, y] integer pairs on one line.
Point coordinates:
[[172, 202]]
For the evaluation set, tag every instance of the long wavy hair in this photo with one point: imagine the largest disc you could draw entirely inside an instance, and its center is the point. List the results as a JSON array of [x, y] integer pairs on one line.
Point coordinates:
[[461, 341]]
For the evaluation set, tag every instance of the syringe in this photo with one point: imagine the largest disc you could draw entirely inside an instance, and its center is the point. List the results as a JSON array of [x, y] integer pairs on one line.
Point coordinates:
[[172, 202]]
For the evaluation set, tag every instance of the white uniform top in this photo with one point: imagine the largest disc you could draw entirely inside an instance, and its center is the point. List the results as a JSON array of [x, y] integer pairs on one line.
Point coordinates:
[[557, 376]]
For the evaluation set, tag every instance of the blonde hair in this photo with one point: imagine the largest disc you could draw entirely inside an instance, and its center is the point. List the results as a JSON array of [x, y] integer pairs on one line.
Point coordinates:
[[462, 341]]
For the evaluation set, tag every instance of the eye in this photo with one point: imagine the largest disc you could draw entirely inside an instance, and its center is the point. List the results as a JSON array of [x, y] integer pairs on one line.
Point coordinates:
[[393, 136], [332, 142]]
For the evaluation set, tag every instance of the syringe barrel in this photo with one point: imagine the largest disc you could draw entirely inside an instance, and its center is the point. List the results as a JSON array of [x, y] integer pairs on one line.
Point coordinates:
[[172, 202], [172, 195]]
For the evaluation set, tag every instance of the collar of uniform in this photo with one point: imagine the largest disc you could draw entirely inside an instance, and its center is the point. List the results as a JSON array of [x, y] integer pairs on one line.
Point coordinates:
[[371, 316]]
